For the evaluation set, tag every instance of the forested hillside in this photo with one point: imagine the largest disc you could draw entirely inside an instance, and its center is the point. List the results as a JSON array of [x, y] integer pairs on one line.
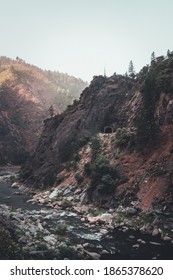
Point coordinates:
[[28, 95]]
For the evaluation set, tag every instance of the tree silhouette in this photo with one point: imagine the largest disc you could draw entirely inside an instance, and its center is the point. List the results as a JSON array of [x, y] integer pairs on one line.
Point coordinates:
[[153, 57], [131, 70]]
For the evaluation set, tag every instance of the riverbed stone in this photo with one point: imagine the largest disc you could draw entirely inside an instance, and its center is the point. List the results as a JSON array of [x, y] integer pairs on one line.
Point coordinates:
[[131, 236], [135, 246], [155, 232], [55, 194], [141, 241], [103, 231], [15, 185], [105, 252], [50, 239], [131, 211], [79, 247], [93, 255], [23, 239], [167, 238]]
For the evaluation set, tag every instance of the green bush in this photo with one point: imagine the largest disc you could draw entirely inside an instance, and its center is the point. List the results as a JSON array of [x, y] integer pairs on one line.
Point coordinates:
[[61, 229], [103, 175], [107, 184], [78, 177], [95, 147], [122, 137], [94, 212], [87, 168]]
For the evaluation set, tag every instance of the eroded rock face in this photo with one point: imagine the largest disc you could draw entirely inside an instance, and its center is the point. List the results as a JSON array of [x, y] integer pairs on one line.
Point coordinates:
[[107, 101]]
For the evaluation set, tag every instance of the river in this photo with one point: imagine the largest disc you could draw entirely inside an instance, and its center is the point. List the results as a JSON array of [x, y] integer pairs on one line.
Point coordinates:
[[106, 242]]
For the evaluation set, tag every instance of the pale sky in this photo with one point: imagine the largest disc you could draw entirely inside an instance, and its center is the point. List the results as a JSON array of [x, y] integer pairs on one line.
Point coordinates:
[[81, 37]]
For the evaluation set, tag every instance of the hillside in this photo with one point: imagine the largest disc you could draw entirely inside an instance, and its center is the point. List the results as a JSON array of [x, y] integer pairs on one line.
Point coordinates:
[[100, 182], [127, 124], [26, 94]]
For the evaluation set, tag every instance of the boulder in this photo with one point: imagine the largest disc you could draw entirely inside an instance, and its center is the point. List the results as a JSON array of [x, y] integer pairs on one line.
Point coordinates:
[[55, 194], [93, 255], [155, 232], [15, 185], [50, 239]]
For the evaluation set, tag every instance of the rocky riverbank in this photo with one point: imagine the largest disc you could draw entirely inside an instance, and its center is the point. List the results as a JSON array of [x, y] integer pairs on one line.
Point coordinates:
[[56, 224]]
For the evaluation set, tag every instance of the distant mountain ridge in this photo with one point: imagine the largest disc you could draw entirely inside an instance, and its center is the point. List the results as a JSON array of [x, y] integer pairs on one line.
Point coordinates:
[[26, 94]]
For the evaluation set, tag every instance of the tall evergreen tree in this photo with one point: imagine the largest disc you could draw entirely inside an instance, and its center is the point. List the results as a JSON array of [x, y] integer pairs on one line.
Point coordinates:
[[131, 69], [153, 56]]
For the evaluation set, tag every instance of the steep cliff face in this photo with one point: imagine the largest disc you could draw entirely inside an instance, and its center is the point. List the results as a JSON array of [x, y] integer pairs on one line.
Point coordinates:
[[26, 94], [133, 119], [107, 102]]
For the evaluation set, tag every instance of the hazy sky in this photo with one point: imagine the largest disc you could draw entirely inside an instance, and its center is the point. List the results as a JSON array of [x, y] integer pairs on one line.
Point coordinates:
[[81, 37]]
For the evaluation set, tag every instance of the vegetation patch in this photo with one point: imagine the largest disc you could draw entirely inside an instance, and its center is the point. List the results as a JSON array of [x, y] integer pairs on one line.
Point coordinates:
[[78, 177], [61, 229], [103, 175], [121, 137], [9, 249], [95, 147]]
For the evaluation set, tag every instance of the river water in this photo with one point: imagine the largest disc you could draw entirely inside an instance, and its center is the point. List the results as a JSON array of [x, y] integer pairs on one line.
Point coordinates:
[[114, 244]]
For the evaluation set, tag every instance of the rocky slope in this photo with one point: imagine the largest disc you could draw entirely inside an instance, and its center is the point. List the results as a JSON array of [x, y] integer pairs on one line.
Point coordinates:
[[130, 160], [26, 94]]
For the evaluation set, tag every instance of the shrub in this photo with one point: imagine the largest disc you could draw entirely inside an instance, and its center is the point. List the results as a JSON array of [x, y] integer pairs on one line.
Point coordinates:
[[103, 175], [107, 184], [74, 165], [122, 137], [87, 168], [61, 229], [94, 212], [78, 177], [95, 147]]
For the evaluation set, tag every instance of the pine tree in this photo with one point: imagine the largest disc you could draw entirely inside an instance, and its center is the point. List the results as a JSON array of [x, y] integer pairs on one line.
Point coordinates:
[[131, 70], [153, 57], [168, 53]]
